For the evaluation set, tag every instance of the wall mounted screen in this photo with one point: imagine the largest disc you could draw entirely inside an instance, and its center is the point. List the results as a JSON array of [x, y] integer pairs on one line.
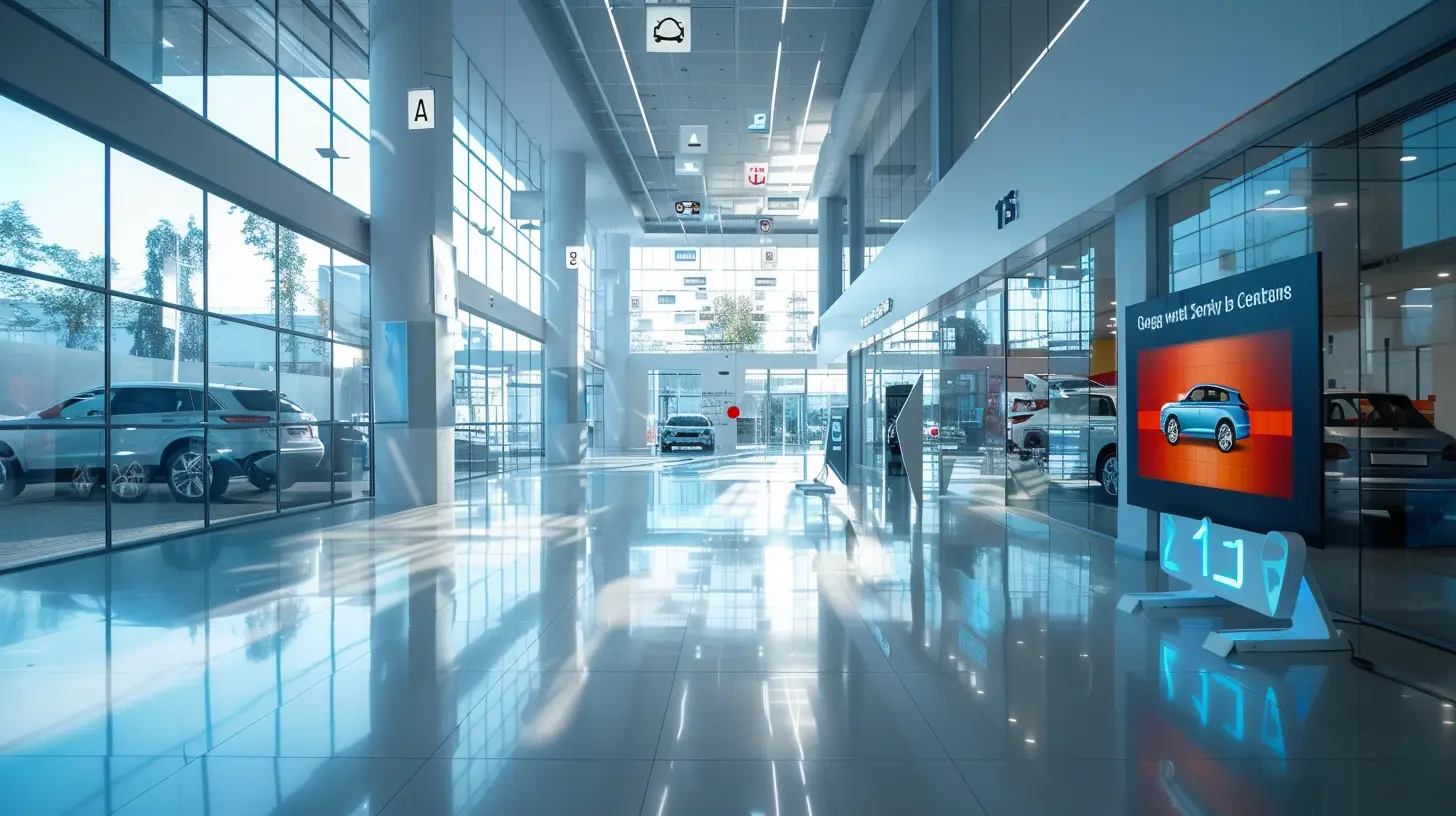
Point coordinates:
[[1226, 382]]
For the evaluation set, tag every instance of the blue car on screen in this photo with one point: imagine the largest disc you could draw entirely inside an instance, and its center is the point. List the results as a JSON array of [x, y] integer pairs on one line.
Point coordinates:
[[1207, 411]]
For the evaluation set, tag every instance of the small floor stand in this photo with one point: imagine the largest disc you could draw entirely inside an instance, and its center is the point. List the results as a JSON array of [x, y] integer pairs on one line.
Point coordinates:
[[817, 487], [1310, 630]]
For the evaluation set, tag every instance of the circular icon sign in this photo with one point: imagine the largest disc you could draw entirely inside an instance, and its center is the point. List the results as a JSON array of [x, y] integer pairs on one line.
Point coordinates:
[[733, 412], [680, 207], [935, 432]]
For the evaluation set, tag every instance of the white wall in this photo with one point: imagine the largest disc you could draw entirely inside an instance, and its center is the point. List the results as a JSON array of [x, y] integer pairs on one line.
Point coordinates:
[[638, 397], [1130, 85]]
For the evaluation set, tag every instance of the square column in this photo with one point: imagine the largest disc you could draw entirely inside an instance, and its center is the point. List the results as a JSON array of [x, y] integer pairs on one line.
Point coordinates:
[[410, 179], [565, 226], [1135, 236], [831, 251], [614, 273]]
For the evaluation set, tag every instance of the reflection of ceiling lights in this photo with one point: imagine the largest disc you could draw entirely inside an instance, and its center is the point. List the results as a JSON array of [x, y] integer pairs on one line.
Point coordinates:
[[1342, 203], [1273, 192], [1300, 208], [1069, 266], [892, 220], [1421, 289], [1443, 274], [1114, 303], [166, 43], [1407, 158], [1415, 305], [1390, 297]]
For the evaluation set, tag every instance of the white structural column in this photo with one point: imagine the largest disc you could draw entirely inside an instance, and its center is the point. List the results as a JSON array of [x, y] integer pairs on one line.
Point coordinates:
[[614, 278], [565, 226], [1136, 238], [412, 357]]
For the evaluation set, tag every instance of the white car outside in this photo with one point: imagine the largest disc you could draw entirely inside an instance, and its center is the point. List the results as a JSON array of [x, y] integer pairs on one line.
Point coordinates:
[[158, 434], [1076, 436]]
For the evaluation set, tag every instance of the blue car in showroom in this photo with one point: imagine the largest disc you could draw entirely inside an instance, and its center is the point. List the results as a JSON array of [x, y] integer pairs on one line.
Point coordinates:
[[1207, 411]]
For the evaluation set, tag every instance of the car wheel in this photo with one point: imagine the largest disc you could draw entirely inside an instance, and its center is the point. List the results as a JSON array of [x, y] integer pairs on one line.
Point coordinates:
[[1172, 431], [190, 475], [11, 482], [129, 482], [83, 481], [1224, 435], [1107, 475]]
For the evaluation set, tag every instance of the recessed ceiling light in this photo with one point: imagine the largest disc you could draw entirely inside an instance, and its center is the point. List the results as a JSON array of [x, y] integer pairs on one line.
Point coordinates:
[[1069, 266], [1390, 297], [1011, 719], [1342, 203], [1415, 305], [1421, 289], [1300, 208], [893, 220], [1443, 274], [1407, 158], [1273, 192], [1030, 741], [1114, 303]]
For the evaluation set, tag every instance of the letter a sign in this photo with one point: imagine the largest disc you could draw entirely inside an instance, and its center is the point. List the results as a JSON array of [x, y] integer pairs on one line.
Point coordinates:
[[422, 109]]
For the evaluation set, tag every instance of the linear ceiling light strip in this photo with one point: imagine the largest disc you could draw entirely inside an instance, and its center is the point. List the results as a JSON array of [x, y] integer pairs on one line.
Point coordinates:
[[804, 125], [612, 15], [774, 99], [1034, 63]]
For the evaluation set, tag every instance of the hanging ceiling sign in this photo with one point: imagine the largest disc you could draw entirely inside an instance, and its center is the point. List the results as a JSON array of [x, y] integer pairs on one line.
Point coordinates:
[[688, 167], [758, 121], [692, 139], [765, 226], [688, 209], [765, 281], [695, 281], [782, 204], [670, 29], [422, 109], [755, 174], [885, 307]]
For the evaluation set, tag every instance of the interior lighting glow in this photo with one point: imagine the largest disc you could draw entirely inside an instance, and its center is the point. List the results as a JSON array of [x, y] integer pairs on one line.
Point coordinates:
[[773, 99], [1407, 158], [1273, 192], [616, 32], [1034, 63], [1342, 203]]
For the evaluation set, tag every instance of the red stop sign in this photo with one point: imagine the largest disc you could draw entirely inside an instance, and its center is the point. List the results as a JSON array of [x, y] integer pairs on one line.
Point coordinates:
[[733, 412]]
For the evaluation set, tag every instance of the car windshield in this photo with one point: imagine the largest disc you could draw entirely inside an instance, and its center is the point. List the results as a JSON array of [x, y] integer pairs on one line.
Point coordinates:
[[689, 421], [1373, 411], [258, 399]]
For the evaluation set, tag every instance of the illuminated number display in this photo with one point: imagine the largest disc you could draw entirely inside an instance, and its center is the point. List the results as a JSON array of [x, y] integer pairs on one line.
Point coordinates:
[[1222, 561]]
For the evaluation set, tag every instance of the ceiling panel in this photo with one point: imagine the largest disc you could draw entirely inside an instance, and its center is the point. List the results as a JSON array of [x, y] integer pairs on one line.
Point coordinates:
[[729, 74]]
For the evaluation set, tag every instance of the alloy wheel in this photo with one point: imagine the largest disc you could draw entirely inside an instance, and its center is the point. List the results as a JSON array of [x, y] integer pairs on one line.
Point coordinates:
[[1172, 430], [83, 481], [189, 473], [1225, 438], [1109, 476]]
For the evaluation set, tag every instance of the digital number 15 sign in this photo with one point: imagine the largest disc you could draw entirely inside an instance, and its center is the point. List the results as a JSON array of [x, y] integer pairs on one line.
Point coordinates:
[[1257, 572]]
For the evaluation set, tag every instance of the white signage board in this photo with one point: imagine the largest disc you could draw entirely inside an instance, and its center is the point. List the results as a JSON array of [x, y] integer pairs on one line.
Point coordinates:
[[670, 29], [576, 257], [692, 139], [755, 174], [422, 109], [769, 258], [442, 267]]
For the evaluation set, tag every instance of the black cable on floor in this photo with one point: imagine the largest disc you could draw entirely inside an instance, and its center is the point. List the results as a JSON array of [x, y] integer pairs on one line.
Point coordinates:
[[1402, 678]]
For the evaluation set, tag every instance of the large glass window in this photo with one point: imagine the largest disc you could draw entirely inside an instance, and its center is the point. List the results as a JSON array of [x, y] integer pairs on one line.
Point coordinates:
[[490, 246], [498, 401], [722, 298], [168, 360]]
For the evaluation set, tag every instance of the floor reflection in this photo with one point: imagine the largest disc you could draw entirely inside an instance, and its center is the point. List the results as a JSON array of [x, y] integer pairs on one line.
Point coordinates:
[[672, 637]]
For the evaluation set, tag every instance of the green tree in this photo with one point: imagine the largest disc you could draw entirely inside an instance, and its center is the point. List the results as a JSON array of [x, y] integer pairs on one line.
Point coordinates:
[[281, 247], [76, 315], [150, 337], [20, 240], [736, 322]]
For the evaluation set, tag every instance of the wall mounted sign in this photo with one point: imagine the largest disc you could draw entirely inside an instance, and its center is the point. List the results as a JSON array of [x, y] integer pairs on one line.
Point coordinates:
[[670, 29], [685, 256], [755, 174], [691, 282], [782, 204], [634, 304], [442, 256], [421, 109], [1008, 209], [884, 308], [576, 257], [769, 258], [765, 281]]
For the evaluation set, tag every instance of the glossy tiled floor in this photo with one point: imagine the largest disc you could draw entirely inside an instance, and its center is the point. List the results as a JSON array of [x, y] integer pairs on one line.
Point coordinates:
[[629, 638]]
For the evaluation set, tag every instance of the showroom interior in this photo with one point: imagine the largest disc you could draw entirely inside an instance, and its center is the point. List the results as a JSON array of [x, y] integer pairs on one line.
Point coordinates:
[[347, 347]]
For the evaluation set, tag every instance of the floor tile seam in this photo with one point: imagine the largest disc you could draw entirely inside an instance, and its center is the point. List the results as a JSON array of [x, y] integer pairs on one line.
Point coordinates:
[[667, 707], [154, 785], [501, 675]]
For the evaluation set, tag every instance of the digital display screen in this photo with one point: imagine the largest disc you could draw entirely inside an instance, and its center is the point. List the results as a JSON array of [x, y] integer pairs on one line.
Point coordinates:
[[1225, 379]]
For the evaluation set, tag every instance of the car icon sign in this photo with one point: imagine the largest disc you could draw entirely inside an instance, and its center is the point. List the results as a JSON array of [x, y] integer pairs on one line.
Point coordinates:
[[668, 29]]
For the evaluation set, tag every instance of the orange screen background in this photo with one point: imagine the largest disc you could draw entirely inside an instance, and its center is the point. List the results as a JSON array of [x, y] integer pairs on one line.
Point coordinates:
[[1259, 367]]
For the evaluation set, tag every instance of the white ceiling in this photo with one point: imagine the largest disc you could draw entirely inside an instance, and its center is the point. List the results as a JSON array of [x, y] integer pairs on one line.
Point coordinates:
[[729, 73]]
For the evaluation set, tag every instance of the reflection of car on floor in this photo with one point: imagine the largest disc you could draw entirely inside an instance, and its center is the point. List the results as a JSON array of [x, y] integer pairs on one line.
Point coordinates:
[[1381, 453], [158, 433], [1207, 411], [686, 430]]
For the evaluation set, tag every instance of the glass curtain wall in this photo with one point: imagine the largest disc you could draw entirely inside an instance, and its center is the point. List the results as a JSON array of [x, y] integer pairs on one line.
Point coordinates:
[[493, 157], [498, 400], [289, 77], [170, 360], [789, 407], [717, 298], [1019, 388], [1370, 183], [672, 393]]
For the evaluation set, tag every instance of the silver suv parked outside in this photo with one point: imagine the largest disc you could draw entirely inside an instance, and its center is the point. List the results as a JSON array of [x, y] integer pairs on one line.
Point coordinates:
[[158, 434]]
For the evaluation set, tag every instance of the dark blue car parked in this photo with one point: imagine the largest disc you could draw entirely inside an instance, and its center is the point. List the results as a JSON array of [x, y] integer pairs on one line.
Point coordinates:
[[1207, 411]]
